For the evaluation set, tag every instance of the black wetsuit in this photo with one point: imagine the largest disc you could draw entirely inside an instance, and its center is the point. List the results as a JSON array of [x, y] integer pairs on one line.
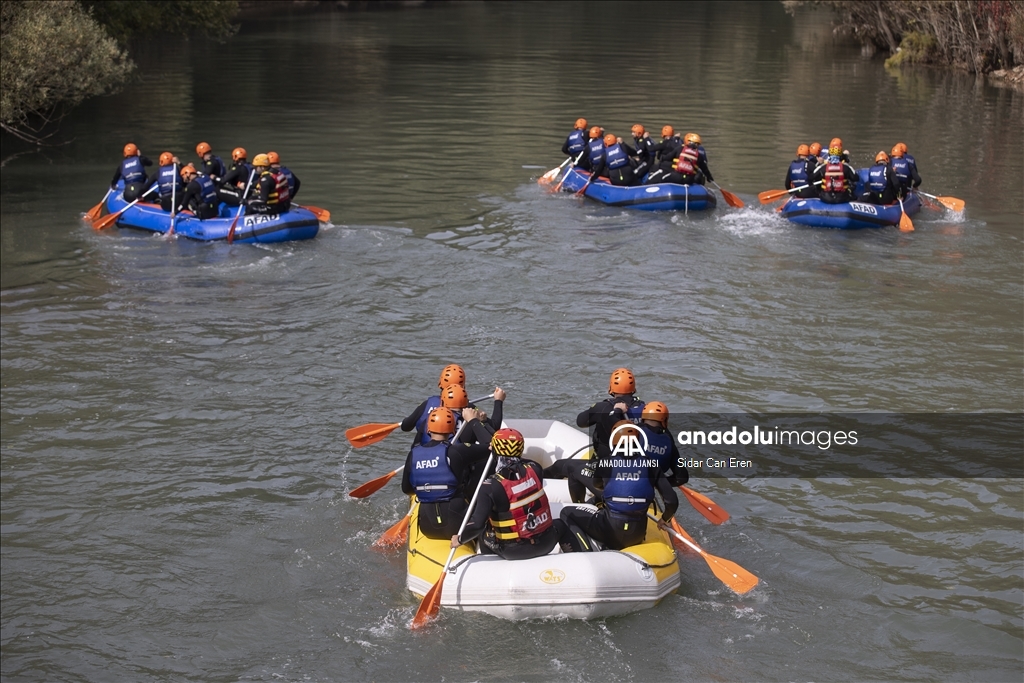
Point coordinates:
[[667, 152], [229, 192], [193, 201], [643, 154]]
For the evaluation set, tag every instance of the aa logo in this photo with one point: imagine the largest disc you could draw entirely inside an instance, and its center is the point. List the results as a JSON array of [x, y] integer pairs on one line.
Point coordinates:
[[626, 441]]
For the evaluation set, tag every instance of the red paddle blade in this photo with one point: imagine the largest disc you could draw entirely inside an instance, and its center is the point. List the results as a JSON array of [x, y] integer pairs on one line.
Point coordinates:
[[372, 486], [364, 435], [397, 535], [430, 606]]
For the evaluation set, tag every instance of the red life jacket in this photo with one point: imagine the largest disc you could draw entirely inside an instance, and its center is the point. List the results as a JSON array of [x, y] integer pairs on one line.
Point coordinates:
[[835, 181], [281, 193], [529, 513], [687, 163]]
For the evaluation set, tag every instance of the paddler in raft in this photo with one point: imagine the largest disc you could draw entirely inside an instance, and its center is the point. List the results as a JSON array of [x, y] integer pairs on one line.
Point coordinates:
[[272, 193], [837, 177], [641, 152], [512, 516], [614, 164], [576, 142], [213, 165], [132, 170], [200, 193], [234, 181], [880, 187], [904, 169], [800, 171], [667, 152], [438, 472], [276, 167], [169, 182], [628, 480]]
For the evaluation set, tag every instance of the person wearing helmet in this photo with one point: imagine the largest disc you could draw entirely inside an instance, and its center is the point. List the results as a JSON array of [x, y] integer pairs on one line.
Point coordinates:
[[200, 196], [880, 188], [660, 444], [512, 516], [799, 173], [598, 419], [232, 185], [451, 375], [838, 179], [628, 480], [576, 142], [667, 153], [271, 189], [594, 156], [904, 170], [615, 163], [213, 165], [438, 472], [132, 170], [276, 167], [169, 182], [691, 167], [816, 152], [642, 152]]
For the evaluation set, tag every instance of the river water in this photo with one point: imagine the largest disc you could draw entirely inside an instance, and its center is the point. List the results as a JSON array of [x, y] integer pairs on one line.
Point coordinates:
[[174, 467]]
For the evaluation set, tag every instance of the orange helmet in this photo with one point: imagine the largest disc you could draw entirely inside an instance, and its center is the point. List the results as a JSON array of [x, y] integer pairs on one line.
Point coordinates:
[[881, 158], [454, 396], [581, 124], [692, 138], [815, 149], [638, 130], [625, 428], [803, 150], [667, 131], [609, 140], [203, 148], [595, 131], [166, 158], [508, 443], [897, 151], [657, 411], [441, 421], [187, 169], [130, 150], [452, 374], [273, 157], [903, 147], [836, 142], [622, 382], [238, 153]]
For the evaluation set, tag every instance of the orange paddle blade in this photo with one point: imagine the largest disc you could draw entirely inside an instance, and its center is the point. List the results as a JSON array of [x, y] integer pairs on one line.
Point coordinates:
[[906, 225], [397, 535], [731, 574], [705, 506], [769, 196], [322, 215], [373, 485], [366, 434], [431, 604], [107, 220], [682, 532], [549, 177], [94, 213], [952, 203], [731, 199]]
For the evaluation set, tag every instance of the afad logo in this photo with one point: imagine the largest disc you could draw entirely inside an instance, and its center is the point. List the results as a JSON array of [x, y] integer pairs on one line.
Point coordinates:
[[625, 441]]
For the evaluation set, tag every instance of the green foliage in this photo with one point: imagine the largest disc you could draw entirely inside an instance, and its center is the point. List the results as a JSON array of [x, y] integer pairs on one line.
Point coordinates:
[[915, 47], [52, 56], [124, 19]]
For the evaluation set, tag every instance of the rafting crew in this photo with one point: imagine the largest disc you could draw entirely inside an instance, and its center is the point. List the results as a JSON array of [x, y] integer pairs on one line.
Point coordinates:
[[800, 171], [838, 179], [169, 182], [512, 517], [200, 196], [904, 169], [272, 195], [628, 481], [599, 419], [438, 472], [132, 170]]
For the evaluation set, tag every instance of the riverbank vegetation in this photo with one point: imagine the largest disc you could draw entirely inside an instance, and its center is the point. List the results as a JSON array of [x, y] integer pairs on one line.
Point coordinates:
[[56, 53], [978, 36]]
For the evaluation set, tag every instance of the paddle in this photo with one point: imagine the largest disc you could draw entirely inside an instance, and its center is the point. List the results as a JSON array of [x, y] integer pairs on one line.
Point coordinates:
[[374, 485], [241, 207], [731, 574], [364, 435], [769, 196], [322, 215], [553, 173], [575, 161], [94, 213], [906, 225], [586, 185], [705, 506], [396, 535], [951, 203], [730, 199], [431, 604], [110, 219], [174, 199]]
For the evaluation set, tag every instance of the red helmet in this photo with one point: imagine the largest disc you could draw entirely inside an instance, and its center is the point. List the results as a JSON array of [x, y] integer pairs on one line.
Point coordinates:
[[667, 131], [638, 130], [581, 124], [441, 421], [238, 153], [595, 131], [130, 150], [166, 158], [452, 374], [454, 396], [621, 382], [609, 140], [508, 443], [273, 157], [803, 150], [657, 411], [203, 148]]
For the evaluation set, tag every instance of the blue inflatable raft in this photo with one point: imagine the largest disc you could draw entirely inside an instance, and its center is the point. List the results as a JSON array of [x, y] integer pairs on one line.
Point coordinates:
[[657, 197], [296, 224], [849, 215]]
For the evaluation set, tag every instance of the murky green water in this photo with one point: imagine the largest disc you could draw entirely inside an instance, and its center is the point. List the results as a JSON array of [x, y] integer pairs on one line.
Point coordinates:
[[174, 471]]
